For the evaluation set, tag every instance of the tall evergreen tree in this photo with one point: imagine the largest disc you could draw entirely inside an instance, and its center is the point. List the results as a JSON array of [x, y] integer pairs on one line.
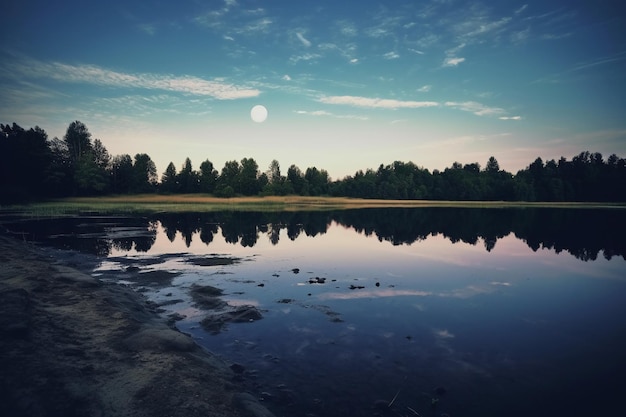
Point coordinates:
[[188, 178], [492, 166], [169, 179]]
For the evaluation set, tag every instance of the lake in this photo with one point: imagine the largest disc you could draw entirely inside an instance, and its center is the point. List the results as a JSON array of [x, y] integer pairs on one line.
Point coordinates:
[[426, 311]]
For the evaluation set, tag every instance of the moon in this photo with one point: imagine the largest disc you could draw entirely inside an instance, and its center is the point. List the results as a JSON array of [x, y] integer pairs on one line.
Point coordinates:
[[258, 113]]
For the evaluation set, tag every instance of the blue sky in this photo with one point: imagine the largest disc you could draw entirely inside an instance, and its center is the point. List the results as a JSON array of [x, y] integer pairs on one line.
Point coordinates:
[[348, 84]]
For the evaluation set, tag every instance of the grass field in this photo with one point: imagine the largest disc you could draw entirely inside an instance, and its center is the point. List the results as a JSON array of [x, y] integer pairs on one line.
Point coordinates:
[[201, 203]]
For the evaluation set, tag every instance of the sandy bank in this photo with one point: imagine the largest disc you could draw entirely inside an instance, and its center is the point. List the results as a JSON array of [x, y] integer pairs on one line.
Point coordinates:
[[73, 346]]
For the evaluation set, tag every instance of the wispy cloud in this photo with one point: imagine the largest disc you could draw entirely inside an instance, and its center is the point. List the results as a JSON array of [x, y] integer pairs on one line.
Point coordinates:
[[427, 40], [391, 55], [581, 66], [443, 333], [376, 103], [452, 61], [599, 61], [520, 36], [387, 24], [521, 9], [479, 24], [231, 19], [474, 107], [301, 38], [510, 117], [483, 27], [94, 75], [554, 25], [314, 113], [425, 88], [212, 19], [146, 105], [323, 113], [304, 57], [259, 25], [257, 11], [347, 50], [455, 50], [556, 36], [377, 32], [477, 21], [147, 28], [347, 28]]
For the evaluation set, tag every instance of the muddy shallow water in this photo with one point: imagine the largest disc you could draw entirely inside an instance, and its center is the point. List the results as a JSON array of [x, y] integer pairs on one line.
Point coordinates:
[[463, 312]]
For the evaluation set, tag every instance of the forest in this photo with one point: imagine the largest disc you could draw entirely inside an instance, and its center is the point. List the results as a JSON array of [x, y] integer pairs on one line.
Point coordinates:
[[34, 168]]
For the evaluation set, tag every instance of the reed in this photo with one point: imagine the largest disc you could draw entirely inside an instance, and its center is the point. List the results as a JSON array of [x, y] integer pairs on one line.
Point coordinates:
[[149, 203]]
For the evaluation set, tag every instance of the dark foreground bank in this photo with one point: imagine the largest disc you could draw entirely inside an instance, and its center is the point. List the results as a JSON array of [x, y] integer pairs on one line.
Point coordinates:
[[73, 346]]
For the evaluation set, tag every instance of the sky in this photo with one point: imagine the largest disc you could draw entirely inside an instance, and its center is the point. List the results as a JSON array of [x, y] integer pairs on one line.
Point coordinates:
[[348, 84]]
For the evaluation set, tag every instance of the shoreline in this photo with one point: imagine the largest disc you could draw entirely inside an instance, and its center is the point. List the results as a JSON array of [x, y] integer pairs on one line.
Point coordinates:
[[150, 203], [72, 345]]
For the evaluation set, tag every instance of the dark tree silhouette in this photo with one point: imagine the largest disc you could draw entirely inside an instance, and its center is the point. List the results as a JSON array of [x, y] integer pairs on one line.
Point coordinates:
[[122, 174], [25, 159], [144, 174], [208, 177], [492, 166], [33, 167], [78, 140], [169, 179], [248, 177], [297, 181], [188, 179]]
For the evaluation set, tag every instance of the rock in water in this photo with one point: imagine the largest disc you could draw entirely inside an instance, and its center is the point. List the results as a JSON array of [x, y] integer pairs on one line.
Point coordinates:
[[237, 368], [239, 314]]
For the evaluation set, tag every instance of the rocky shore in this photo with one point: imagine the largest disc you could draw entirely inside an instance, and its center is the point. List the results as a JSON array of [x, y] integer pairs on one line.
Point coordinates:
[[71, 345]]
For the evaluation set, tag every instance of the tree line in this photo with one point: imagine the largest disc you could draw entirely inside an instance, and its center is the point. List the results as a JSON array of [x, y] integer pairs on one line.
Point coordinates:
[[34, 167]]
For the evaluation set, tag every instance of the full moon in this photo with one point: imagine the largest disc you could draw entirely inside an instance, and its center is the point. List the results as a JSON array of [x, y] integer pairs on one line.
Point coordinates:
[[258, 113]]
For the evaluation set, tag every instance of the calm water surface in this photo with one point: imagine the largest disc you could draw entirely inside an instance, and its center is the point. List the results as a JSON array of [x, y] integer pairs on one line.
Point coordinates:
[[464, 312]]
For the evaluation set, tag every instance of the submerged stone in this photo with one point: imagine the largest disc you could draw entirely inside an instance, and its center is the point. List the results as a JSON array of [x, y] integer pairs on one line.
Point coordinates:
[[212, 261], [216, 322]]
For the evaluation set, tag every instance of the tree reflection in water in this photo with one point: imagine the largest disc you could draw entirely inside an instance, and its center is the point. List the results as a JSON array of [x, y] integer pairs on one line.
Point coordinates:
[[584, 233]]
